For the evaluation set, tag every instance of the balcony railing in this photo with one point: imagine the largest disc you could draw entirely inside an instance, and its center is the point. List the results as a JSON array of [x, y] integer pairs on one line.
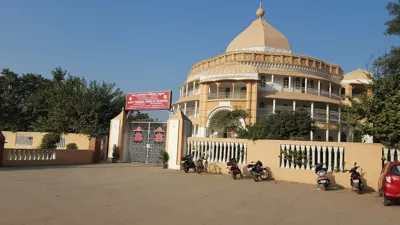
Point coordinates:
[[191, 113], [314, 91], [226, 95], [190, 92]]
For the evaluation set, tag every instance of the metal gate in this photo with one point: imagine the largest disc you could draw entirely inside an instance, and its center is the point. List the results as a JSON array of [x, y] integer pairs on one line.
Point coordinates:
[[146, 141]]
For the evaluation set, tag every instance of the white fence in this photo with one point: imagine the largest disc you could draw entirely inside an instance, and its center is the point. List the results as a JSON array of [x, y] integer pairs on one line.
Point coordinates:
[[390, 155], [217, 152], [305, 157], [15, 155]]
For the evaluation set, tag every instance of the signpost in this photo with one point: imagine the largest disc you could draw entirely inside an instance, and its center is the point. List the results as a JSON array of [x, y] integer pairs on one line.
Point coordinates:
[[158, 100]]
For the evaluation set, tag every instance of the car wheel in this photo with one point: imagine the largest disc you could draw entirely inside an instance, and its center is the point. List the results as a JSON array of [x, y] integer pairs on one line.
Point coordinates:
[[386, 202], [380, 194]]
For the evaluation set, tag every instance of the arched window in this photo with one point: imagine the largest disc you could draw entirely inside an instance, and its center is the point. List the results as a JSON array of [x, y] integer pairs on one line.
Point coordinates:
[[297, 83], [262, 105], [262, 81], [286, 82]]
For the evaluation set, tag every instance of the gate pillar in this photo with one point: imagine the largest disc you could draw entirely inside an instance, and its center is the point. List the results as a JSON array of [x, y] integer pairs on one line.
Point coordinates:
[[2, 143], [179, 128]]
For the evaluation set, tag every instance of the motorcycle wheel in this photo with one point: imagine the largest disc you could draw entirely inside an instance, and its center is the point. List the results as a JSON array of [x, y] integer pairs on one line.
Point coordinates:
[[359, 190], [186, 169], [322, 187], [234, 175], [255, 177], [199, 170], [265, 175]]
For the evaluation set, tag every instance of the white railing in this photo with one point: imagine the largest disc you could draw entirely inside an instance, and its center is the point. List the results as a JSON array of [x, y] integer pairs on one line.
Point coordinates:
[[25, 155], [390, 155], [313, 91], [191, 113], [190, 92], [217, 152], [307, 156], [224, 95]]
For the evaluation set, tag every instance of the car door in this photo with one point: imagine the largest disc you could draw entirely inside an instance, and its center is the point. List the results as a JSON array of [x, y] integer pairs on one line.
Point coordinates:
[[395, 173], [381, 177]]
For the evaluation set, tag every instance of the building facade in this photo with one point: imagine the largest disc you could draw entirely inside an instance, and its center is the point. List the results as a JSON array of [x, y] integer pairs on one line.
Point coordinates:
[[259, 72]]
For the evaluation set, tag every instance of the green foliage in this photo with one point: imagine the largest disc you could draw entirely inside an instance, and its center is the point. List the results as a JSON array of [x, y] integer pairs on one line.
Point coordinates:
[[378, 115], [229, 120], [299, 158], [164, 156], [284, 125], [71, 146], [115, 153], [50, 141]]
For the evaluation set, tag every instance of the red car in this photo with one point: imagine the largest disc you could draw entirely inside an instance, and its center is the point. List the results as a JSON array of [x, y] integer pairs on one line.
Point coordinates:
[[389, 183]]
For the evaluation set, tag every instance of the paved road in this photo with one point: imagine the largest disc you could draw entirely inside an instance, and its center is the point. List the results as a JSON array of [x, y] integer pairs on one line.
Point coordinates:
[[140, 194]]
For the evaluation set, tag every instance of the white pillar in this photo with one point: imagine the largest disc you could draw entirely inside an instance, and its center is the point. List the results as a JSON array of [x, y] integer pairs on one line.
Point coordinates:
[[180, 92], [327, 135], [327, 113], [340, 92], [305, 85], [311, 135], [290, 84], [273, 106], [195, 109], [312, 110], [294, 105], [319, 87], [272, 78], [194, 88], [184, 109], [187, 88], [330, 89], [339, 136], [340, 114]]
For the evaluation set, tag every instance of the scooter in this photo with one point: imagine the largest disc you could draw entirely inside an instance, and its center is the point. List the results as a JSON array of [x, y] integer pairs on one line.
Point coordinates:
[[202, 164], [355, 179], [257, 170], [188, 163], [322, 180], [233, 168]]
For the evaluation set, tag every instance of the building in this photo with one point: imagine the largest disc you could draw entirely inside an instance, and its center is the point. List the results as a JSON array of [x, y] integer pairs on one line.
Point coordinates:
[[260, 73]]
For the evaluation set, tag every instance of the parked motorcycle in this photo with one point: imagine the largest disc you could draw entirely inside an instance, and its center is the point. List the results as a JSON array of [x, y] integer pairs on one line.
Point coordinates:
[[257, 171], [202, 164], [355, 179], [188, 163], [233, 168], [322, 180]]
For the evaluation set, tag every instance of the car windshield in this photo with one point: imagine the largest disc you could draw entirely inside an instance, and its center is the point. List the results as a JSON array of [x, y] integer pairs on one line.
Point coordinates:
[[395, 170]]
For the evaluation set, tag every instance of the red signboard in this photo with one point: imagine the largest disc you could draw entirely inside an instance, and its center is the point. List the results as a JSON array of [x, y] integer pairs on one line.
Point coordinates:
[[158, 100]]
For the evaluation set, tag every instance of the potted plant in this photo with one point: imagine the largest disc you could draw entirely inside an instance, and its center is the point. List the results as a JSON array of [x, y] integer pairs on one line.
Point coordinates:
[[115, 154], [164, 156]]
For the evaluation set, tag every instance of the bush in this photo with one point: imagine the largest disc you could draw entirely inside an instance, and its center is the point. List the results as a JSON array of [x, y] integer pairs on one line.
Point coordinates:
[[164, 156], [72, 146], [115, 153], [50, 141]]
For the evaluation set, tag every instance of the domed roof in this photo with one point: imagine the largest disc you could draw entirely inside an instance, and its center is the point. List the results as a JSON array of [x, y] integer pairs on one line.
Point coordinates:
[[357, 76], [260, 36], [230, 68]]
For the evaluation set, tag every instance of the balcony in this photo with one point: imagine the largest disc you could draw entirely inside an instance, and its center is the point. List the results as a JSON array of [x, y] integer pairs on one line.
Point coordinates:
[[278, 88], [226, 95], [191, 113], [190, 93]]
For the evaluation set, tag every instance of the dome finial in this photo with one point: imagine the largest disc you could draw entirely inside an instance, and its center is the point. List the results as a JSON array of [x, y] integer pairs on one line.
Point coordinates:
[[260, 11]]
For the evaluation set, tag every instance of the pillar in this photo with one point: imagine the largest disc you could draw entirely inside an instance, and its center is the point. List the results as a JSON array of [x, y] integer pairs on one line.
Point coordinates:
[[187, 89], [184, 108], [218, 84], [195, 109], [294, 105], [339, 136], [2, 143], [348, 90], [290, 84], [312, 110], [319, 87], [305, 85], [311, 135], [273, 106], [272, 78], [330, 89], [194, 87], [233, 91], [327, 113], [327, 135], [253, 104]]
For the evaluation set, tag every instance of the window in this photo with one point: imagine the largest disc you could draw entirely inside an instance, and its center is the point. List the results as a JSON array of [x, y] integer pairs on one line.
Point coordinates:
[[61, 144], [311, 84], [227, 92], [297, 83], [262, 81], [24, 140], [286, 82], [262, 105], [395, 170]]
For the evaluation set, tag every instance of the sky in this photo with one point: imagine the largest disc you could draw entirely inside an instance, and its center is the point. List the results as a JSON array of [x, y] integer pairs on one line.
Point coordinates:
[[151, 45]]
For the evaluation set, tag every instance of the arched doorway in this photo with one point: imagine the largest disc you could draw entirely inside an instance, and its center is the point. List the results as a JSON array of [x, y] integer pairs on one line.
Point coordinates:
[[215, 131]]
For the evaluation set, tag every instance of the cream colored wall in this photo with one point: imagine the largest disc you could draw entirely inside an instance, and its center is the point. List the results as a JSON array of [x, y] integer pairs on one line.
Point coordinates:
[[368, 157], [81, 140]]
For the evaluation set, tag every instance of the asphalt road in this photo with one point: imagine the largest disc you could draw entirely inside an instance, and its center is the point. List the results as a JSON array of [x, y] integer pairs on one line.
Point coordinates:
[[139, 194]]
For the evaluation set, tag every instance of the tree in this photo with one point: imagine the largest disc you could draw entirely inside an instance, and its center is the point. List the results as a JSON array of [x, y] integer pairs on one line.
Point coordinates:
[[284, 125], [229, 120], [378, 115]]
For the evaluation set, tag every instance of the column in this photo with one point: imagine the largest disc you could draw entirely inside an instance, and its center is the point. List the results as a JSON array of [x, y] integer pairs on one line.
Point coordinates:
[[294, 105], [195, 109], [339, 136], [187, 89], [319, 87], [180, 92], [273, 106], [327, 113], [330, 89], [194, 87], [184, 109], [173, 109], [311, 136], [340, 92], [312, 110], [348, 90], [340, 112], [290, 84], [327, 135], [272, 78], [305, 85], [218, 89], [233, 91]]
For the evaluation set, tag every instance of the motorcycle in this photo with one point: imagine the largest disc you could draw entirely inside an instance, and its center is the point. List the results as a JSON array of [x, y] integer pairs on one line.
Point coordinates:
[[188, 163], [322, 180], [257, 170], [355, 179], [233, 168], [202, 164]]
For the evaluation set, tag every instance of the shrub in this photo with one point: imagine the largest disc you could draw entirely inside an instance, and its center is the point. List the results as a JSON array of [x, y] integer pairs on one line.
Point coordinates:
[[72, 146], [164, 156], [115, 153], [50, 141]]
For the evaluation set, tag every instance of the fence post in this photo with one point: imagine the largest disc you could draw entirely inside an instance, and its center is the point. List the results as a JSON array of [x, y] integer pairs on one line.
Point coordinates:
[[2, 142]]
